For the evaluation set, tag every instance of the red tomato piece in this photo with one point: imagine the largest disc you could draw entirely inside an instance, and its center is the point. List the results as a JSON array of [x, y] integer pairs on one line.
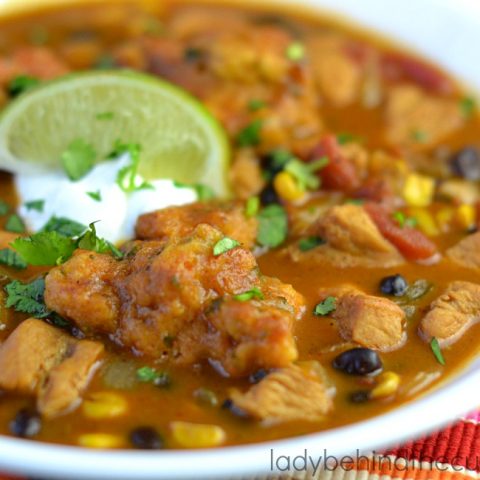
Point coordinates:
[[411, 243]]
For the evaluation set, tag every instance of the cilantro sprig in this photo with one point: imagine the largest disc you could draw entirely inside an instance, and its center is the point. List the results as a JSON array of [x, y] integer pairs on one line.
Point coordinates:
[[78, 159], [325, 307], [272, 226], [27, 297]]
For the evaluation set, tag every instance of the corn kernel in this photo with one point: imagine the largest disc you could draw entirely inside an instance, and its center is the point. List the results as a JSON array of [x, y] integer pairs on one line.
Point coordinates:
[[194, 435], [100, 440], [418, 190], [287, 187], [425, 221], [388, 383], [465, 216], [101, 405], [444, 218]]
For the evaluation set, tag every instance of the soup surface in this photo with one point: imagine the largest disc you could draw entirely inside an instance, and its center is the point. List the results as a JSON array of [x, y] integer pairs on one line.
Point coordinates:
[[339, 282]]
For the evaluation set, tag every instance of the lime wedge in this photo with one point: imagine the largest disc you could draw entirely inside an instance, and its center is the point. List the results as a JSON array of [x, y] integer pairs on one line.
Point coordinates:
[[180, 140]]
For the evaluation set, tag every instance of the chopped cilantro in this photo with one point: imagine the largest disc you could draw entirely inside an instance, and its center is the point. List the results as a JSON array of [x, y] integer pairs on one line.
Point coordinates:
[[224, 245], [419, 136], [296, 51], [105, 62], [326, 306], [15, 224], [78, 159], [437, 351], [304, 172], [309, 243], [64, 226], [4, 207], [11, 259], [250, 135], [252, 206], [150, 375], [37, 205], [97, 196], [403, 220], [21, 84], [344, 138], [355, 201], [273, 226], [90, 241], [255, 292], [255, 105], [204, 192], [105, 116], [44, 248], [468, 105], [27, 297]]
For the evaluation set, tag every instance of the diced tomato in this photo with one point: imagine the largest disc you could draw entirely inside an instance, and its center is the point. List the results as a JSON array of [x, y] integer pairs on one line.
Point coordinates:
[[339, 174], [411, 243], [375, 190], [397, 66]]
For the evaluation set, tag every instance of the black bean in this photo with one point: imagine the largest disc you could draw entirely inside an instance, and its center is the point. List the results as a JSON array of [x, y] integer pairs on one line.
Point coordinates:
[[146, 438], [27, 423], [466, 163], [358, 361], [258, 376], [361, 396], [394, 285], [269, 196]]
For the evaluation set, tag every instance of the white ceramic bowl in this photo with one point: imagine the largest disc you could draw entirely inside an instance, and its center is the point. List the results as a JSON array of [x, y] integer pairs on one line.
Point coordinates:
[[447, 31]]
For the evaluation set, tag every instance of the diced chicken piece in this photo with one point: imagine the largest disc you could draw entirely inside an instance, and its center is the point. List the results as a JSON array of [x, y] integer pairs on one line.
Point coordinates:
[[352, 239], [287, 395], [172, 300], [6, 238], [466, 252], [175, 222], [38, 62], [372, 322], [41, 360], [81, 289], [337, 75], [246, 175], [416, 119], [452, 313]]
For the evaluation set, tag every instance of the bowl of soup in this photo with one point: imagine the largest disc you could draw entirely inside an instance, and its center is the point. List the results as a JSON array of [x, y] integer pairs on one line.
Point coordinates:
[[231, 234]]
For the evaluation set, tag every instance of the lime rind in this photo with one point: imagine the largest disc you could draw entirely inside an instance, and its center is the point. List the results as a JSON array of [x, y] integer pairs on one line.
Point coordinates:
[[180, 139]]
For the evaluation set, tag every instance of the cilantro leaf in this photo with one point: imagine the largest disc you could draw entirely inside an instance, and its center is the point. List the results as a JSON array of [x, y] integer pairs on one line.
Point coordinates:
[[150, 375], [256, 104], [224, 245], [344, 138], [325, 307], [309, 243], [27, 297], [296, 51], [37, 205], [255, 292], [468, 105], [21, 84], [78, 159], [437, 351], [64, 226], [11, 259], [250, 135], [252, 206], [44, 248], [105, 116], [15, 224], [97, 196], [90, 241], [304, 172], [272, 227], [4, 207]]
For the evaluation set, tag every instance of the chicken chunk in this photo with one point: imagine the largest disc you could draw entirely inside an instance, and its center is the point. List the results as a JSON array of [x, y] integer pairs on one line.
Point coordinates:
[[81, 289], [352, 239], [416, 119], [452, 313], [373, 322], [44, 361], [175, 300], [174, 222], [287, 395], [466, 252]]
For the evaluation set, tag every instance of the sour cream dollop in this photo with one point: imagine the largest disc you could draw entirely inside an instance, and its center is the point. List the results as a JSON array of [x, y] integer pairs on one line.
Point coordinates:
[[116, 212]]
